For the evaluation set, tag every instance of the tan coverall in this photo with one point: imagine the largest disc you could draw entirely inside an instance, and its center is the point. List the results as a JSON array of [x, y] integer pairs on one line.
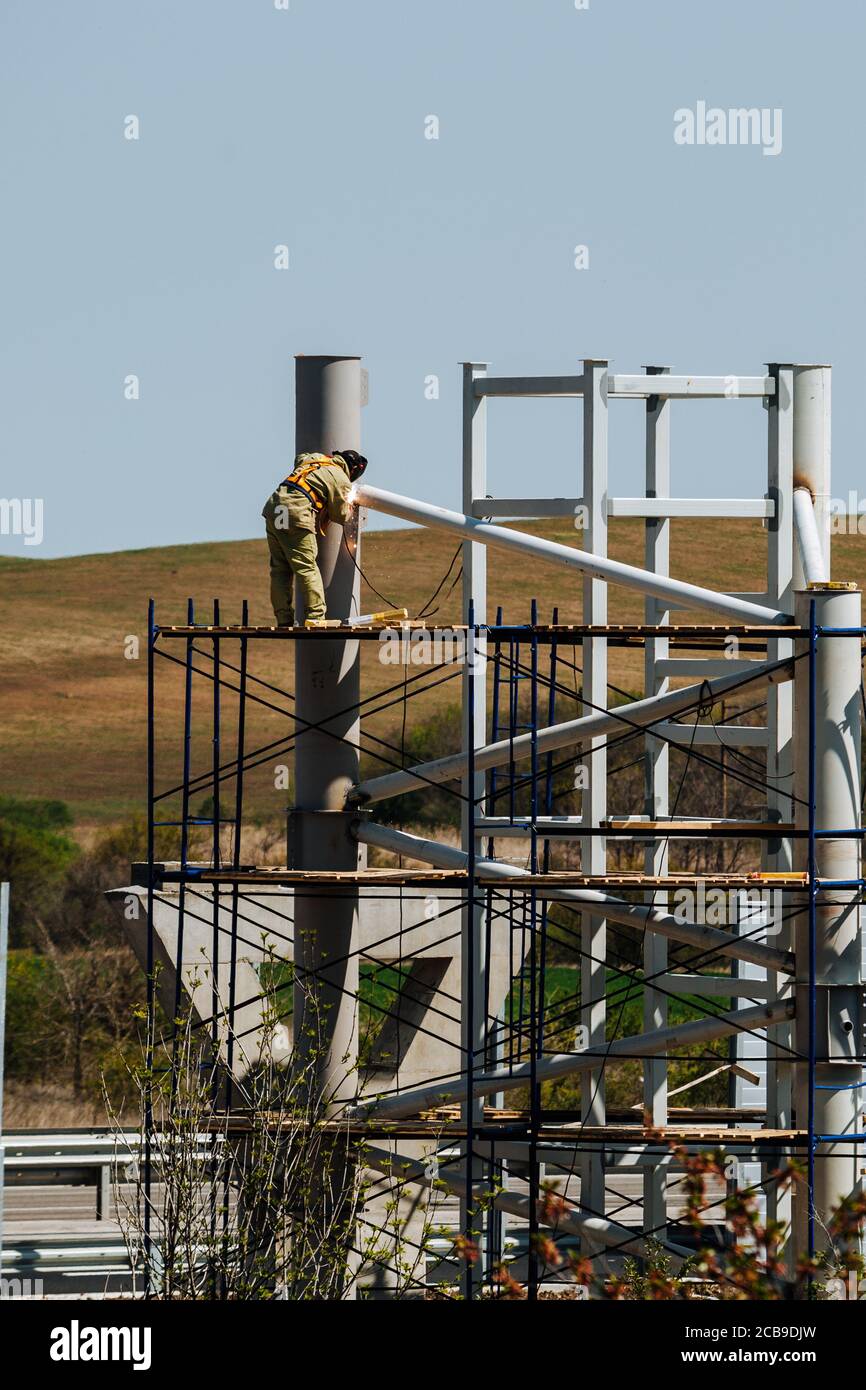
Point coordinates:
[[292, 522]]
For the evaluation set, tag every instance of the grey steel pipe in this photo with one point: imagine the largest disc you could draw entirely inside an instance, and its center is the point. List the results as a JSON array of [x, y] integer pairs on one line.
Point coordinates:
[[676, 590], [327, 693], [569, 1221], [640, 713], [641, 916], [834, 733], [417, 1098], [811, 552]]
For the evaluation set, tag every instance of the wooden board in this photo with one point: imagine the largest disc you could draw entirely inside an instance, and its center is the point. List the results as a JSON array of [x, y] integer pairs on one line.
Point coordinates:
[[564, 878], [446, 1123], [333, 878], [726, 829], [406, 878]]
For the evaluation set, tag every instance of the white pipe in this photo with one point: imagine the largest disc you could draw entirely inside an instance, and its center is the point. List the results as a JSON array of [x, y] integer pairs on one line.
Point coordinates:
[[642, 916], [806, 526], [569, 1221], [416, 1098], [811, 391], [827, 710], [640, 713], [675, 590]]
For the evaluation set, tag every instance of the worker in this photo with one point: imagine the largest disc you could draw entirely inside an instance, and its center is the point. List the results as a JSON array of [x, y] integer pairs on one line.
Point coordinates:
[[315, 493]]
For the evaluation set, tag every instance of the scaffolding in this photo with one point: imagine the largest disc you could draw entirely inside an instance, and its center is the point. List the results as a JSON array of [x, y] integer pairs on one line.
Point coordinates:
[[542, 728]]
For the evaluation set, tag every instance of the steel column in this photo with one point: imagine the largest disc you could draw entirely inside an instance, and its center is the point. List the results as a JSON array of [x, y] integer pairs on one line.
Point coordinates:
[[656, 787], [474, 965], [811, 444], [777, 856], [593, 848], [828, 944], [473, 971], [327, 692]]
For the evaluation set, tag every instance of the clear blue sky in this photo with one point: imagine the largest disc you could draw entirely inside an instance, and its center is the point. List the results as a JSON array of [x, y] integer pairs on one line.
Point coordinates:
[[260, 126]]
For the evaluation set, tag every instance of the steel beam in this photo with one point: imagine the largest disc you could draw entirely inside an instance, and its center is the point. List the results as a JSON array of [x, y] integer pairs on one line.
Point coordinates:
[[642, 916], [614, 571], [569, 1220], [701, 1030], [812, 557], [724, 507], [639, 715], [529, 386], [536, 507], [729, 388]]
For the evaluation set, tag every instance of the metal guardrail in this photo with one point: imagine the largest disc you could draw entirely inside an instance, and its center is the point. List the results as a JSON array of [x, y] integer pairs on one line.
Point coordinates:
[[59, 1261], [62, 1261], [75, 1158]]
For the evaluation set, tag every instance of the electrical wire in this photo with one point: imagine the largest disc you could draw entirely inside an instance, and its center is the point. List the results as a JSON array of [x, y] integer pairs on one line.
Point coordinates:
[[423, 612]]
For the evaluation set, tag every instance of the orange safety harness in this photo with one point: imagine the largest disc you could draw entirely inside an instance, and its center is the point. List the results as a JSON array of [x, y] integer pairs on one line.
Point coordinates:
[[297, 479]]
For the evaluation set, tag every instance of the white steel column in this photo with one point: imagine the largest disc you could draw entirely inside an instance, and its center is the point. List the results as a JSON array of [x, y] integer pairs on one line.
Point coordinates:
[[656, 792], [833, 736], [473, 972], [593, 850], [811, 406], [777, 856]]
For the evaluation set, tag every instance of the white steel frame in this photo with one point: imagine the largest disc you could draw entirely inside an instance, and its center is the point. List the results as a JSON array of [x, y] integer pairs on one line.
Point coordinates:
[[789, 392]]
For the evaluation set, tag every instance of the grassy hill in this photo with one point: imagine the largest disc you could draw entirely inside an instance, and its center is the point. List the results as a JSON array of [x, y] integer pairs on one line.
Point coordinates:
[[74, 705]]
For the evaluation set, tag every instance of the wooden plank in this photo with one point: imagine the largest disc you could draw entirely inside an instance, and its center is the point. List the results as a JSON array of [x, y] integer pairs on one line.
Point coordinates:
[[636, 880], [396, 878], [277, 877], [447, 1123], [723, 828]]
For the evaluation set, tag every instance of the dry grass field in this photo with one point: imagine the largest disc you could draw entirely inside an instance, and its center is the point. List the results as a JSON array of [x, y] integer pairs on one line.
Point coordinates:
[[74, 705]]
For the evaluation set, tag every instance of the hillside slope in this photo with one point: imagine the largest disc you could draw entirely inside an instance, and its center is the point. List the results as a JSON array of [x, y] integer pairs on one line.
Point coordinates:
[[74, 705]]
